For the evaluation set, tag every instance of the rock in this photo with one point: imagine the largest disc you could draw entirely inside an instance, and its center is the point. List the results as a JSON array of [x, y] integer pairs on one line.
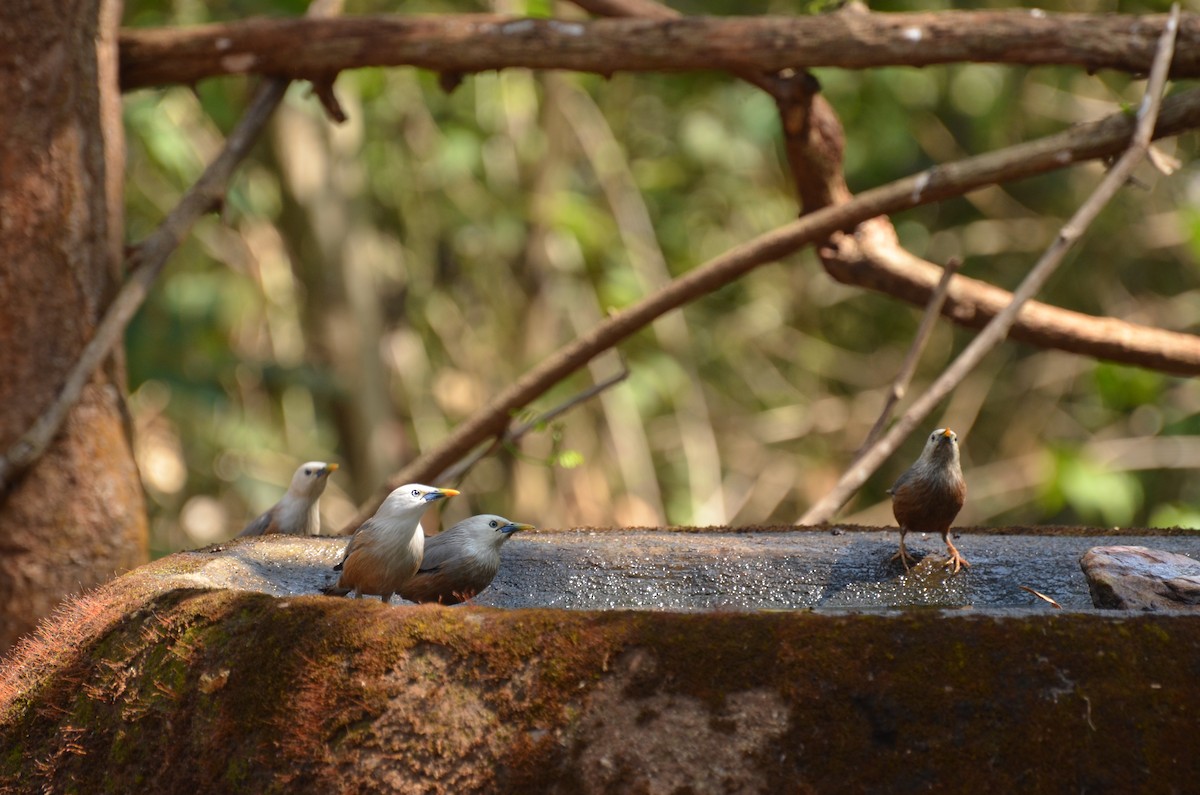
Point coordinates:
[[221, 671], [1140, 578]]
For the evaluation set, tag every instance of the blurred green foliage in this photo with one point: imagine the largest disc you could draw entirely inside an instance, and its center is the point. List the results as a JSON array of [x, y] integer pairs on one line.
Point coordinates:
[[368, 286]]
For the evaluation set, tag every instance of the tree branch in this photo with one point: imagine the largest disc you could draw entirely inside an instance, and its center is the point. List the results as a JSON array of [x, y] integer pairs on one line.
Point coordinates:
[[468, 43], [1083, 142], [995, 331], [872, 257], [147, 262]]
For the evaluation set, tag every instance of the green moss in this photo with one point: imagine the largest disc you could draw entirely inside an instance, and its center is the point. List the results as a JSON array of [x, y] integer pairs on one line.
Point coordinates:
[[236, 773], [267, 695]]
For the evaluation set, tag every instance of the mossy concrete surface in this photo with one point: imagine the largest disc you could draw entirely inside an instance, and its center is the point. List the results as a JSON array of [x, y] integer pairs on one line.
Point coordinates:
[[162, 682]]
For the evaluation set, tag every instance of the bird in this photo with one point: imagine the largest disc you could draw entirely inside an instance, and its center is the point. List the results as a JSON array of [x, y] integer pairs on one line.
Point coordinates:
[[296, 512], [462, 561], [386, 551], [930, 493]]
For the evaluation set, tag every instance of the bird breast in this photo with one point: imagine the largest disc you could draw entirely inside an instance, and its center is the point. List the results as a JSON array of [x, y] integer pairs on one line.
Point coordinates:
[[297, 515], [384, 558], [928, 498]]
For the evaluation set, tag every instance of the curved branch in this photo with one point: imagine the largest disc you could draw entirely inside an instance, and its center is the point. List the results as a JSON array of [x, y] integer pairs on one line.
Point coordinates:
[[464, 43], [995, 331], [1083, 142], [873, 258]]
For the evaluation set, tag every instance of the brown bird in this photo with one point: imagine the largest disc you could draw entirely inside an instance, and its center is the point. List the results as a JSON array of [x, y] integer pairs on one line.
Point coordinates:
[[296, 512], [462, 561], [386, 550], [930, 493]]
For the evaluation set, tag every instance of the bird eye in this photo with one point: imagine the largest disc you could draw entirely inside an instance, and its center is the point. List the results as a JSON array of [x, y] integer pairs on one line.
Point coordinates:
[[416, 492], [308, 471], [493, 523], [933, 435]]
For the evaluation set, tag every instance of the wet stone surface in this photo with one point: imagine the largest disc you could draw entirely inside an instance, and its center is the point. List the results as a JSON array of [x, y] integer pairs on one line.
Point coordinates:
[[712, 570]]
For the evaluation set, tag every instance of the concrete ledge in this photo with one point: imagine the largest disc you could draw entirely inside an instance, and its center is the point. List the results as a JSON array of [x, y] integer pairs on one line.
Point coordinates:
[[166, 681], [715, 569]]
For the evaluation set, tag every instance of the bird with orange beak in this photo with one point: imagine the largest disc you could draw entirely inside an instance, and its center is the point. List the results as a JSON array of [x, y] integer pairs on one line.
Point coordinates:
[[930, 493], [462, 561], [296, 512], [386, 551]]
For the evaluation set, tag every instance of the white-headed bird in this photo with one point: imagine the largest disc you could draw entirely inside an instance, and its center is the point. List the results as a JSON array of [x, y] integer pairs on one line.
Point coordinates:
[[462, 561], [296, 512], [386, 550]]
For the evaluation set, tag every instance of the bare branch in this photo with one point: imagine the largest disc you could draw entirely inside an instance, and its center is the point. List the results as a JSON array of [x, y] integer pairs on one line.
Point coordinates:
[[1083, 142], [148, 260], [995, 331], [909, 366], [468, 43], [322, 89]]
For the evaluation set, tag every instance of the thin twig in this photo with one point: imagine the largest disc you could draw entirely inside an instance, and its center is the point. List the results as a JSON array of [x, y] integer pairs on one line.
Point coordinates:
[[1040, 595], [995, 331], [900, 386], [147, 261], [515, 433], [1081, 142]]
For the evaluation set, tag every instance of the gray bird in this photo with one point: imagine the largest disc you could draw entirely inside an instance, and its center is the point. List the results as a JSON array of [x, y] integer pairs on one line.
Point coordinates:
[[296, 512], [462, 561], [930, 493], [386, 550]]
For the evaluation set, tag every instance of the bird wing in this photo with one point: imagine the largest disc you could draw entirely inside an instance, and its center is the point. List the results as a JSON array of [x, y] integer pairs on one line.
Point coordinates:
[[900, 481], [363, 537], [356, 541], [439, 550], [440, 585], [263, 525], [450, 573]]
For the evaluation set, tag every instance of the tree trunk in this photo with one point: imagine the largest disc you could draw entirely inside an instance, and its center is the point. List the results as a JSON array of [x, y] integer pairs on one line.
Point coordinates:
[[77, 517]]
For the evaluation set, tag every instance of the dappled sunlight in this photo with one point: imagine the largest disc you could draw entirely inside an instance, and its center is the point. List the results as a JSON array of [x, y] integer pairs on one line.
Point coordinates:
[[392, 274]]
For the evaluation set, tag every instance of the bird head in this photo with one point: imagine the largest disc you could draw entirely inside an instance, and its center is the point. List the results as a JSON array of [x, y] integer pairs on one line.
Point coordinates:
[[491, 529], [942, 445], [309, 480], [411, 499]]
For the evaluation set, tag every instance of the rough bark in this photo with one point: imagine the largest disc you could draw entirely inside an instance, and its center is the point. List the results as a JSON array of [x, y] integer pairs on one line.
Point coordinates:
[[77, 517], [476, 42]]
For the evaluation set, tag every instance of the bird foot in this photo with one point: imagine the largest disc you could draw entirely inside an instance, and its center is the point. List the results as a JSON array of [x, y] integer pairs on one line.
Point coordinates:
[[956, 562], [904, 557]]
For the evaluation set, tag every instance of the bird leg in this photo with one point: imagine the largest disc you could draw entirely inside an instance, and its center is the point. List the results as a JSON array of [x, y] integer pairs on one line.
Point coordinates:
[[956, 560], [903, 554]]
